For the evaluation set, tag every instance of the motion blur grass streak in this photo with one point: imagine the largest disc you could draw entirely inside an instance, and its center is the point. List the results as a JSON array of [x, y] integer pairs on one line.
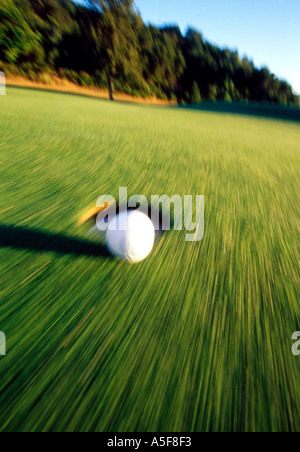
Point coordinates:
[[198, 337]]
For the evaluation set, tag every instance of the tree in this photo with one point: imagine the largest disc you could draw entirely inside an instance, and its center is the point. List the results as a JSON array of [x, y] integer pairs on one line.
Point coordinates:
[[16, 36], [196, 95], [106, 41], [119, 41]]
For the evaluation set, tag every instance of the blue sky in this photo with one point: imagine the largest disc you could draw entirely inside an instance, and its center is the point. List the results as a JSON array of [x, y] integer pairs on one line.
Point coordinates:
[[267, 31]]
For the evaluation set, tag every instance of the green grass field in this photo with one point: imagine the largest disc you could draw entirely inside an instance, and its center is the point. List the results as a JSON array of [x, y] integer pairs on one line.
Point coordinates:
[[196, 338]]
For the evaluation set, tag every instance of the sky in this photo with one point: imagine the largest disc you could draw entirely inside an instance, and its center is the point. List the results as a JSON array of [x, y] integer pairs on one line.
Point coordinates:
[[267, 31]]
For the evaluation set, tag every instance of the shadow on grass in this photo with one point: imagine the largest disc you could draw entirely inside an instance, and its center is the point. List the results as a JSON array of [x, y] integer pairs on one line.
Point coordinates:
[[252, 109], [23, 238], [262, 109]]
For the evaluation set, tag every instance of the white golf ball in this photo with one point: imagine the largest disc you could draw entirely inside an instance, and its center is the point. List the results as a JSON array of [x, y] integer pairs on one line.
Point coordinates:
[[136, 242]]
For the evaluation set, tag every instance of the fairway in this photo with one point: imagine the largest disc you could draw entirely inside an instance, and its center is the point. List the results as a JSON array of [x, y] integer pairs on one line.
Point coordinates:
[[197, 337]]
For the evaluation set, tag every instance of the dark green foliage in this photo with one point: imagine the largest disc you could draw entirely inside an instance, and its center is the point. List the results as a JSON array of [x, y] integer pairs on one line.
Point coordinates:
[[118, 51], [107, 43], [196, 95], [16, 36]]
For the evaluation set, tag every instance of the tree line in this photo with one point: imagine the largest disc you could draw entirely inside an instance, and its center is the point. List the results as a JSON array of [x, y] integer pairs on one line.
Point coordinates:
[[105, 43]]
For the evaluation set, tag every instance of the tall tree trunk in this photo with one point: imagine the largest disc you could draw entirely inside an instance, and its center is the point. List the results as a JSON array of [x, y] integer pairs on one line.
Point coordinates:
[[111, 84]]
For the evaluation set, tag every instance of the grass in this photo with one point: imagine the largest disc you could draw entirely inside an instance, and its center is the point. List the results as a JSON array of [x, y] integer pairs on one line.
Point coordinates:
[[55, 84], [196, 338]]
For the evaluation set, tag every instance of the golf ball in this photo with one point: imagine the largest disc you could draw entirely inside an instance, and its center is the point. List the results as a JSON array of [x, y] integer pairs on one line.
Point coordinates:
[[136, 241]]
